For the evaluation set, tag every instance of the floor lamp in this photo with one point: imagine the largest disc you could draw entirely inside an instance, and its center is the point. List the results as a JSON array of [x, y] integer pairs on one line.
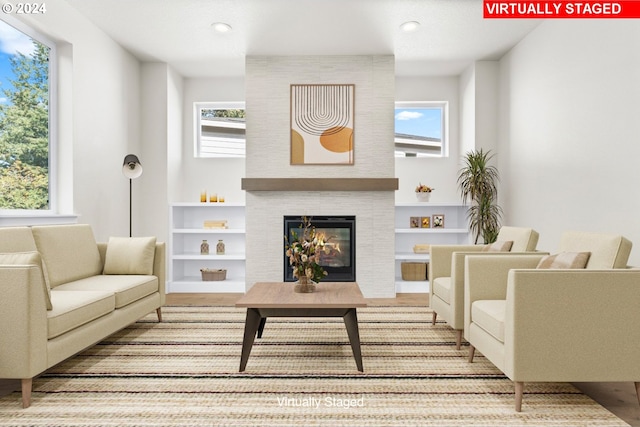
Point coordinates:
[[132, 169]]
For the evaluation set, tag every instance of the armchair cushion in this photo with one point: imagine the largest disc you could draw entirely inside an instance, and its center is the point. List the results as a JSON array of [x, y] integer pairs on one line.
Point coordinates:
[[607, 250], [130, 255], [489, 315], [524, 239], [442, 288], [565, 260], [498, 246], [29, 258]]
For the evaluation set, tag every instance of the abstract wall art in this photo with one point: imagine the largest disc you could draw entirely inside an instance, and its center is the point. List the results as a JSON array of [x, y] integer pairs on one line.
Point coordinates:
[[322, 118]]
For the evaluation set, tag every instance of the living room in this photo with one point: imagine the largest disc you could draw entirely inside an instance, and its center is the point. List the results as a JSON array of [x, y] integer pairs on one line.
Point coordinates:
[[557, 107]]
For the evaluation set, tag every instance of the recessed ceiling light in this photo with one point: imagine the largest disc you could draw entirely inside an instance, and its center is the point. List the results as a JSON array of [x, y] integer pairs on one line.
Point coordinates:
[[409, 26], [221, 27]]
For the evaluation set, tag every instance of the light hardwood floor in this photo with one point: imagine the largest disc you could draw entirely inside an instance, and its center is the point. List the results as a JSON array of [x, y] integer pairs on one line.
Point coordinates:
[[619, 398]]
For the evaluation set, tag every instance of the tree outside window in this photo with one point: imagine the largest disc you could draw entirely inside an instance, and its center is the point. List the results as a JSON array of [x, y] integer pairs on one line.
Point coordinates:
[[24, 121]]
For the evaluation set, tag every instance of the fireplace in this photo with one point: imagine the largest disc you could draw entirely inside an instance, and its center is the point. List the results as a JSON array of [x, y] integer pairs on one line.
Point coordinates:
[[339, 258]]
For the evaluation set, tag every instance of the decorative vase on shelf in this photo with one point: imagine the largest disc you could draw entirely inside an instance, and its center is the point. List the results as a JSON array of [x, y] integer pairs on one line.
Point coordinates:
[[423, 196], [220, 248], [304, 285], [204, 248]]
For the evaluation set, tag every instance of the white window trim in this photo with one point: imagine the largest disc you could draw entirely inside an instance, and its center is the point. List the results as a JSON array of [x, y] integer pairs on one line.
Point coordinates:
[[52, 212], [444, 105], [197, 106]]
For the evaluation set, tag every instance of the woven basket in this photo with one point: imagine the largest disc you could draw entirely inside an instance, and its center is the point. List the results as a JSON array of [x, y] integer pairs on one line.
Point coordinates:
[[213, 275], [413, 271]]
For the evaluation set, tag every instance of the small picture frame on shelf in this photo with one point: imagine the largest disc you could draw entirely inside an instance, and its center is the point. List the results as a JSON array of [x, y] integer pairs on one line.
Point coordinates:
[[414, 222], [438, 221], [425, 222]]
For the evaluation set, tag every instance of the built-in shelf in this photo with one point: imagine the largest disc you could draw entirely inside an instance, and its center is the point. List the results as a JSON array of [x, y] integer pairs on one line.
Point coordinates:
[[455, 231], [187, 233]]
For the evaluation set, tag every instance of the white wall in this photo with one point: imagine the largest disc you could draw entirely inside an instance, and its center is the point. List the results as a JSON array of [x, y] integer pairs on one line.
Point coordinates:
[[440, 173], [569, 129], [221, 176], [100, 124]]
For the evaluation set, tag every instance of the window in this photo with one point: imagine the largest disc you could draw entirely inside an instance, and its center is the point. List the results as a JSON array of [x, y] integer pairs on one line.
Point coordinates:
[[219, 129], [420, 129], [26, 139]]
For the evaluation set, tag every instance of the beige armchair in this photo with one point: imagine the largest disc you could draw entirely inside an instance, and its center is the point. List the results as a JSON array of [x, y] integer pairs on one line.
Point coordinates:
[[446, 274], [556, 325]]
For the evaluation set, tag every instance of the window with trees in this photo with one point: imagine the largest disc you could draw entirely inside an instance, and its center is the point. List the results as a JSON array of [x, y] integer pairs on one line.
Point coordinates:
[[25, 118]]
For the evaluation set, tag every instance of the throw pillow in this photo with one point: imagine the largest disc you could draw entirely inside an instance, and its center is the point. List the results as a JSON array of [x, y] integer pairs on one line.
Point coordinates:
[[130, 255], [565, 260], [498, 246], [30, 258]]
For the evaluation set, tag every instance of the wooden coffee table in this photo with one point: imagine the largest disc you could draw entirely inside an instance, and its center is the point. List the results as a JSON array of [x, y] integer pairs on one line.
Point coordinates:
[[277, 299]]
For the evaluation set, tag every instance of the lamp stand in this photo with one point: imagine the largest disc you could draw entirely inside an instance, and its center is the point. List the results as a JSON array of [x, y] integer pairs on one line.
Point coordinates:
[[130, 211]]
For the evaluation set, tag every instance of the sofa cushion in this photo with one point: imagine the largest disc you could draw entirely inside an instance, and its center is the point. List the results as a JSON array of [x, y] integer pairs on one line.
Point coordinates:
[[524, 239], [565, 260], [17, 239], [29, 258], [126, 288], [69, 252], [442, 288], [489, 315], [74, 309], [498, 246], [130, 255]]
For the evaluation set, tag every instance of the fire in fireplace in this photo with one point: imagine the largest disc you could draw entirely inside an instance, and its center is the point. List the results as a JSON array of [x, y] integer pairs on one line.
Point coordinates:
[[339, 257]]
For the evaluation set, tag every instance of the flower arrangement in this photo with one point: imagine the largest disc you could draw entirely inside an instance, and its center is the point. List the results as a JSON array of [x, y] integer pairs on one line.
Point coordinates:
[[421, 188], [303, 251]]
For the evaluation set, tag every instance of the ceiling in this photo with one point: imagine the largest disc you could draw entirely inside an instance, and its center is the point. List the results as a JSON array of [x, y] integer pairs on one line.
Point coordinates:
[[452, 33]]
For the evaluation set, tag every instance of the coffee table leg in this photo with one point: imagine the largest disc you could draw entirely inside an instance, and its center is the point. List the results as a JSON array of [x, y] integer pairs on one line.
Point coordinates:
[[250, 327], [351, 323], [261, 327]]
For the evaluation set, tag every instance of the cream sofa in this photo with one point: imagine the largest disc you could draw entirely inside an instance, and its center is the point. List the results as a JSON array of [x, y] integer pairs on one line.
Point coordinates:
[[55, 300], [446, 273], [557, 325]]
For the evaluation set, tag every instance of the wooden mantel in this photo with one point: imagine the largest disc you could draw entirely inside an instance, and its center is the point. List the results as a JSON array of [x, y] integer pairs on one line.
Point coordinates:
[[319, 184]]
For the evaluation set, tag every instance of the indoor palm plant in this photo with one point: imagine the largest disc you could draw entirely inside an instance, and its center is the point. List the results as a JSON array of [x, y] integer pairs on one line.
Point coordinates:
[[478, 184]]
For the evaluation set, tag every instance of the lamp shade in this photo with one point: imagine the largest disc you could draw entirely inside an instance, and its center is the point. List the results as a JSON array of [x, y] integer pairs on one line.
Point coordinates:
[[131, 168]]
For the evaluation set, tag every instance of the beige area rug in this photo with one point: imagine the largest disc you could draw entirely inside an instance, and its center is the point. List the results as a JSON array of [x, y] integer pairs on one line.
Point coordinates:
[[184, 372]]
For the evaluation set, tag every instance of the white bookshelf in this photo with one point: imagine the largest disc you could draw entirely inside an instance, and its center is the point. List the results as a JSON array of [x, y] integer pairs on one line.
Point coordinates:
[[187, 233], [455, 231]]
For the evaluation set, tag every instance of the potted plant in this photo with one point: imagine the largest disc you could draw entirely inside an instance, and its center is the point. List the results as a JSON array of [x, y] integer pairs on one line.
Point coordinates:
[[478, 184], [423, 192]]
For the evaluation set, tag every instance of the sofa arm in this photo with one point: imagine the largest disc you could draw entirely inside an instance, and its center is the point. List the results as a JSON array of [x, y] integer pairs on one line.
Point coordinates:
[[572, 325], [160, 269], [23, 322], [486, 277]]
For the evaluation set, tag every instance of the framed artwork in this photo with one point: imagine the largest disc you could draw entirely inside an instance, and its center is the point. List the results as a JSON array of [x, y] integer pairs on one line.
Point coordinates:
[[425, 222], [414, 222], [322, 126], [438, 221]]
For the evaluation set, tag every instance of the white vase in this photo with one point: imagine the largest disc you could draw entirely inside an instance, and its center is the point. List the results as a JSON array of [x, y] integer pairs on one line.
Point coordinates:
[[423, 196]]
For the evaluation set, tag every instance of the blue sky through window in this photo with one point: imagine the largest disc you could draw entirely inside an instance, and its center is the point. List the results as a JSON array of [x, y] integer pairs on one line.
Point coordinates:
[[425, 122], [11, 42]]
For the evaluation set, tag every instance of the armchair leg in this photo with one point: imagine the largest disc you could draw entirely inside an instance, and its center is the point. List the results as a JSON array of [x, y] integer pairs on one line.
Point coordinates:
[[159, 313], [519, 392], [472, 352], [433, 318], [27, 384], [638, 391], [458, 338]]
